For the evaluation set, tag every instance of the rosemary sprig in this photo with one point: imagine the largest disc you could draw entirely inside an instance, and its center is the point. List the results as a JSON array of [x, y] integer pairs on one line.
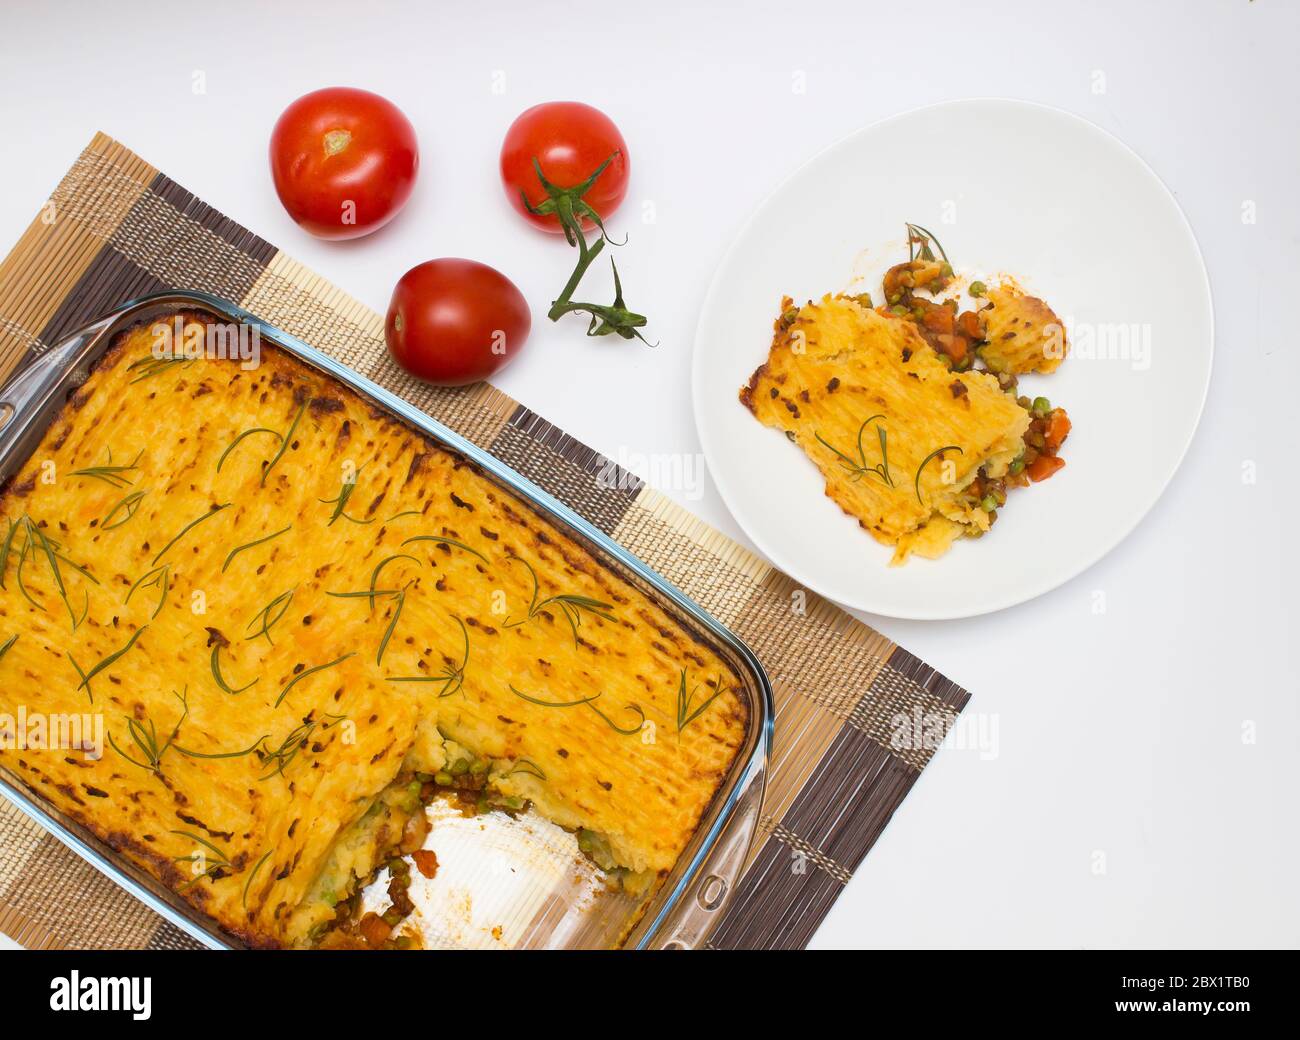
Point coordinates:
[[37, 544], [8, 645], [151, 365], [217, 677], [452, 677], [221, 865], [145, 737], [686, 714], [858, 468], [374, 576], [129, 505], [553, 704], [296, 740], [371, 594], [269, 615], [404, 512], [571, 605], [531, 768], [6, 549], [309, 672], [240, 438], [926, 461], [917, 235], [617, 728], [159, 576], [438, 539], [400, 600], [213, 511], [285, 441], [340, 503], [105, 663], [252, 874], [590, 703], [113, 476], [221, 754], [253, 545]]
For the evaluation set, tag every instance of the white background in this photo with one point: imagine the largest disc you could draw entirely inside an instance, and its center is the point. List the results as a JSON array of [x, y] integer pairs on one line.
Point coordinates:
[[1120, 734]]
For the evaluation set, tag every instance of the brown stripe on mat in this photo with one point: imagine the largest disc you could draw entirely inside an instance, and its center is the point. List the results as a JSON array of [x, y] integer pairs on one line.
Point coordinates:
[[110, 280], [561, 466], [848, 700], [780, 902], [192, 208]]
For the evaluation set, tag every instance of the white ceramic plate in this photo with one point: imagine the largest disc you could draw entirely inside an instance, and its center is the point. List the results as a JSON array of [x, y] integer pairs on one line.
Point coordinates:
[[1006, 186]]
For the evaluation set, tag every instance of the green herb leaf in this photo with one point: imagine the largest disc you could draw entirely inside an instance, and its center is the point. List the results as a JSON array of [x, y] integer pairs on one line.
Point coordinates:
[[438, 539], [252, 545], [285, 441], [112, 475], [926, 461], [105, 663], [309, 672], [269, 615], [220, 681], [239, 439], [127, 505], [213, 511], [159, 576]]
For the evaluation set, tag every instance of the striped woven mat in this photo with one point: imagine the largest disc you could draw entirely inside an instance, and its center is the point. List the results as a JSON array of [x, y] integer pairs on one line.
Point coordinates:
[[116, 228]]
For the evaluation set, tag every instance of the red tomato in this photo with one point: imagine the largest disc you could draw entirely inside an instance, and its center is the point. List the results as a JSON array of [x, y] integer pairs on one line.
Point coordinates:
[[453, 322], [570, 140], [344, 161]]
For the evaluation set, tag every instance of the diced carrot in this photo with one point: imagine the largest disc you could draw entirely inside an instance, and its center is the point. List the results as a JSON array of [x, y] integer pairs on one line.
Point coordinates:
[[957, 348], [1043, 467], [938, 319], [968, 324], [374, 929], [426, 861], [1058, 428]]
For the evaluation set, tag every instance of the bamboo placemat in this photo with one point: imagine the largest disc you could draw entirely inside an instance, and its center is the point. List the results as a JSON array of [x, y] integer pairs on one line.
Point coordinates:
[[116, 228]]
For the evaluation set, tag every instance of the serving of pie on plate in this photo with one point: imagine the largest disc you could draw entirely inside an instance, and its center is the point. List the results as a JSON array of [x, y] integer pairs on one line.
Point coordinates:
[[910, 409]]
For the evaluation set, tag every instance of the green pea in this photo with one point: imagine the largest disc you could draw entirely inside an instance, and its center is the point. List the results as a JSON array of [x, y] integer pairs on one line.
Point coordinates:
[[460, 767], [1041, 407], [479, 767], [443, 778], [1017, 466], [988, 503], [945, 269], [978, 289]]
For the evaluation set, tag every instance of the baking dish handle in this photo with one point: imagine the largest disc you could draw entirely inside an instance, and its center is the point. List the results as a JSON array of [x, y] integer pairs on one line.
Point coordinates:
[[21, 397], [698, 913]]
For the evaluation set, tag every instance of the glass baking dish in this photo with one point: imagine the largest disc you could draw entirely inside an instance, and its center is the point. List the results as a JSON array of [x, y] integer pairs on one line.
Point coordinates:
[[690, 901]]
